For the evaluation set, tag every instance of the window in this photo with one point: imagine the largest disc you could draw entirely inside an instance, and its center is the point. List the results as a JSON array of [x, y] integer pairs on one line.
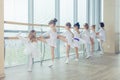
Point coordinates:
[[13, 11], [82, 11], [44, 10], [66, 11], [16, 11]]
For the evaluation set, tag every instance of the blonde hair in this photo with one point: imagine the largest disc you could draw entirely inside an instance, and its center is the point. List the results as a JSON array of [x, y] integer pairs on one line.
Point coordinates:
[[94, 26], [32, 36], [86, 25]]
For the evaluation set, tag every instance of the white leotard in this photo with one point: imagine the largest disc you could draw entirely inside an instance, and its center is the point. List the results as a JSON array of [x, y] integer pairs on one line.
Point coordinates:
[[31, 48], [93, 35], [53, 38], [69, 37], [102, 34], [86, 36], [76, 39]]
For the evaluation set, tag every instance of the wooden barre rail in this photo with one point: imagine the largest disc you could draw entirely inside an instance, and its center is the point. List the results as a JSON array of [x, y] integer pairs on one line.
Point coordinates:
[[11, 38], [29, 24], [18, 38], [14, 38]]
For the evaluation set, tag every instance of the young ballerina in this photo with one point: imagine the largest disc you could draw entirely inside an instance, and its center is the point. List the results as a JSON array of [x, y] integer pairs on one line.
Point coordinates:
[[101, 36], [93, 38], [76, 39], [31, 48], [51, 40], [86, 37], [67, 37]]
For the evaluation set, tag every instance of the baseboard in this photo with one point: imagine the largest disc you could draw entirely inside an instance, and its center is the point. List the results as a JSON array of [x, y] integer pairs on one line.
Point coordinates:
[[117, 52], [112, 53]]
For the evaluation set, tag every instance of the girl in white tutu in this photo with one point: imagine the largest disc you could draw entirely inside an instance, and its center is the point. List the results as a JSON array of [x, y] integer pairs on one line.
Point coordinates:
[[101, 36], [31, 48], [51, 39], [87, 39], [76, 39], [67, 37], [93, 38]]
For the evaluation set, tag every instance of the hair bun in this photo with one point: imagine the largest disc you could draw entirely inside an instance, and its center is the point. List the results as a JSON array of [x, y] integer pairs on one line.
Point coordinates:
[[78, 24], [102, 24], [55, 20]]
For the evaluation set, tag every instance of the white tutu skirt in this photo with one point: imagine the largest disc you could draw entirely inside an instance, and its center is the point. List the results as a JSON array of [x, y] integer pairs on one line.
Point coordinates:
[[34, 52], [70, 43], [51, 42], [99, 38], [76, 43]]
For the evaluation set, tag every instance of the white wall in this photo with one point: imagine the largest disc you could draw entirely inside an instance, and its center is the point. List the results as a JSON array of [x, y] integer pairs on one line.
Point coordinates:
[[1, 40], [111, 19]]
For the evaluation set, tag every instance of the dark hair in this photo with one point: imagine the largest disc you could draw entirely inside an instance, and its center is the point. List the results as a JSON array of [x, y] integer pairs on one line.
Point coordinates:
[[102, 24], [32, 31], [68, 24], [86, 25], [94, 26], [53, 21], [32, 36], [77, 25]]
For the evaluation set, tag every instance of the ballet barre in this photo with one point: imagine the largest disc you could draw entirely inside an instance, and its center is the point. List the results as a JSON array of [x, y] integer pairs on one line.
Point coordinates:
[[13, 38], [29, 24]]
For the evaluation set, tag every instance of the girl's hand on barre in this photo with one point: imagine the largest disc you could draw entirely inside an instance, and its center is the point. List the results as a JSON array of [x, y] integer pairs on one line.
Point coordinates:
[[40, 37], [18, 35], [59, 36], [97, 33], [47, 37]]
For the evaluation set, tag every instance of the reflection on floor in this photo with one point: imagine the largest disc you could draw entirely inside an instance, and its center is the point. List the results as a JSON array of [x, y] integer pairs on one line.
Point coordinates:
[[105, 67]]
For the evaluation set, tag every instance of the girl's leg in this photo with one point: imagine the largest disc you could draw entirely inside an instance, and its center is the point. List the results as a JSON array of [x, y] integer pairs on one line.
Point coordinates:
[[92, 48], [77, 55], [30, 62], [101, 48], [87, 50], [67, 53], [92, 45], [67, 50], [52, 55]]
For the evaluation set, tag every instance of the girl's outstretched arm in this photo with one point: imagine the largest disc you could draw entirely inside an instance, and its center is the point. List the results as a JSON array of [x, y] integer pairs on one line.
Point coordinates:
[[42, 39], [97, 33], [62, 38], [44, 36], [21, 38]]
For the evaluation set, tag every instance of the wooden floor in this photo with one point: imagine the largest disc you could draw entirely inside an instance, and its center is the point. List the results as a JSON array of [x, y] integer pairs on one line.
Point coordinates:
[[105, 67]]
